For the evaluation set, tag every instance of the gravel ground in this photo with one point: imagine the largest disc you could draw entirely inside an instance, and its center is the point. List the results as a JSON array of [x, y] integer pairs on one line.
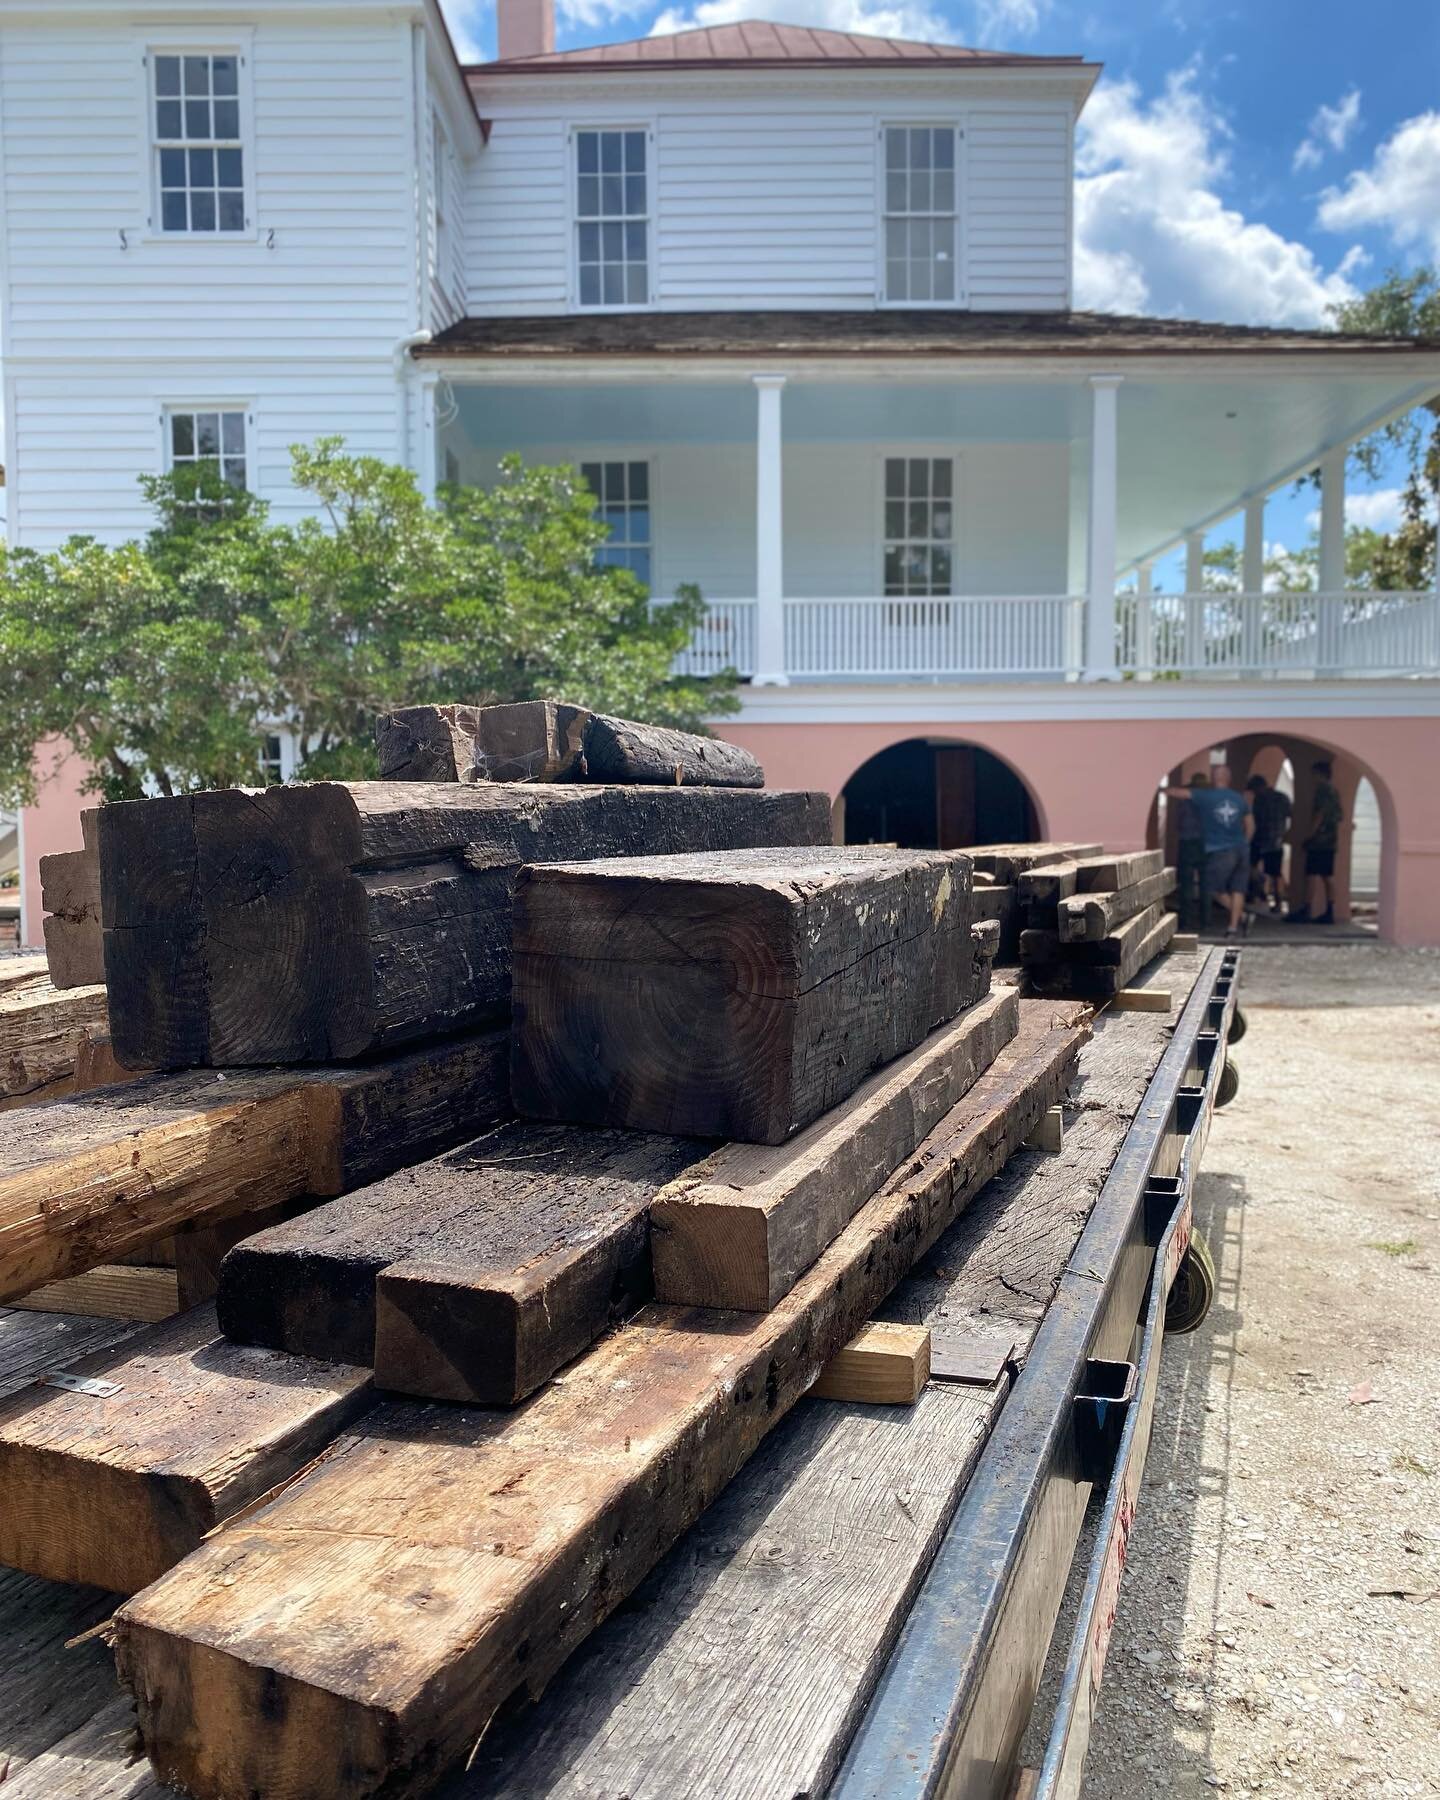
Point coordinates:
[[1279, 1625]]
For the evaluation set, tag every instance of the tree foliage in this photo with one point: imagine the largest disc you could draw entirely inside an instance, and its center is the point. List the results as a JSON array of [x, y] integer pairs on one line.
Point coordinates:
[[164, 662]]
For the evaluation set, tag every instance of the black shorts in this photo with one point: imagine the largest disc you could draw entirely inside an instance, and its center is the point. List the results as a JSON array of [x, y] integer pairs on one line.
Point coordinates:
[[1271, 861], [1319, 862]]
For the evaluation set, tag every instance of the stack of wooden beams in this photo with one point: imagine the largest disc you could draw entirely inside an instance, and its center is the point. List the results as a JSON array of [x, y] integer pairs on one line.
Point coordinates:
[[997, 870], [1094, 922], [756, 1077]]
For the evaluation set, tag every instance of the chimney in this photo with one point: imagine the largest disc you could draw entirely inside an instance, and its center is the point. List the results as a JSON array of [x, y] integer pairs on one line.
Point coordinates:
[[527, 28]]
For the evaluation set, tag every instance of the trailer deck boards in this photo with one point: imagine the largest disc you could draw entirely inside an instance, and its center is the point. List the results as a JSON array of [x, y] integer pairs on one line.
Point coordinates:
[[793, 1586]]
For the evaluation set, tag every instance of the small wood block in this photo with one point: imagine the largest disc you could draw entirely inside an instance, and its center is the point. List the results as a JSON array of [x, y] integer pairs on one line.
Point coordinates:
[[972, 1353], [113, 1291], [1150, 1000], [884, 1363], [1185, 942], [1050, 1133], [70, 894], [734, 995]]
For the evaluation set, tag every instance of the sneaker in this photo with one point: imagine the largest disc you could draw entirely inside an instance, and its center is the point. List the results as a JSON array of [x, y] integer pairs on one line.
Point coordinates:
[[1300, 916], [1326, 918]]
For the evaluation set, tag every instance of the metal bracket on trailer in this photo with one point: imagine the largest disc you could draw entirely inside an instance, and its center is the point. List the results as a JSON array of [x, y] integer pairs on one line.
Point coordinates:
[[954, 1701]]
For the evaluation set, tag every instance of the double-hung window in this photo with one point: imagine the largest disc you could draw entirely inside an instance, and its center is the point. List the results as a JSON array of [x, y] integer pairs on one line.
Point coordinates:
[[919, 525], [612, 216], [198, 144], [622, 501], [213, 436], [920, 223]]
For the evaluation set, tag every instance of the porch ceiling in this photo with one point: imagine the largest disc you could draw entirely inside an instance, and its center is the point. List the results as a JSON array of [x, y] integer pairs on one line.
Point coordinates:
[[1193, 444]]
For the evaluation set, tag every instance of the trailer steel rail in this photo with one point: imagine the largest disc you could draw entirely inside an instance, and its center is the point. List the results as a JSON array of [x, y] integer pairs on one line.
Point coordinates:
[[948, 1714]]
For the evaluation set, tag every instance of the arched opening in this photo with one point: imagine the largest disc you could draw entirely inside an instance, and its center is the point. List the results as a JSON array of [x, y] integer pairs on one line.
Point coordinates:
[[937, 794], [1287, 764]]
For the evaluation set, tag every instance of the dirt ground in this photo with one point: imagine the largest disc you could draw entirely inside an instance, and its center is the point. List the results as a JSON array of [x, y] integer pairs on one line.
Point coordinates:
[[1279, 1624]]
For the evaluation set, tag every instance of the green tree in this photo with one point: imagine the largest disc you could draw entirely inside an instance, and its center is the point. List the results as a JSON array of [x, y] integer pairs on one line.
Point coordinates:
[[164, 662]]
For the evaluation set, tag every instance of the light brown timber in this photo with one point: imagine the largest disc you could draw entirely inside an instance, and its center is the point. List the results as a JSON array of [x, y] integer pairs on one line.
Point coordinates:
[[1006, 862], [70, 896], [1147, 1000], [112, 1291], [884, 1364], [290, 1655], [113, 1488], [41, 1029], [739, 1229]]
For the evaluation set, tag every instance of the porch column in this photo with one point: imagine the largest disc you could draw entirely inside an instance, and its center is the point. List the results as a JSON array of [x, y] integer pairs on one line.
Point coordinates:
[[1331, 577], [1104, 496], [1144, 621], [769, 537], [1252, 581], [1195, 601]]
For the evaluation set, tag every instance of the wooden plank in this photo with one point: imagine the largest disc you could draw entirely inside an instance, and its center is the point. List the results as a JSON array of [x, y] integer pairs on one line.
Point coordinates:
[[1108, 874], [40, 1032], [1047, 885], [1045, 947], [738, 995], [511, 1253], [1090, 917], [91, 1178], [114, 1484], [884, 1364], [1007, 862], [1146, 1000], [1130, 949], [738, 1229], [31, 1343], [70, 895], [327, 921], [112, 1291], [22, 971], [288, 1655], [1185, 942]]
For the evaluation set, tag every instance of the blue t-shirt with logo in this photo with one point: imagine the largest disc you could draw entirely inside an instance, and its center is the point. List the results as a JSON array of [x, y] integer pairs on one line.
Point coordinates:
[[1222, 812]]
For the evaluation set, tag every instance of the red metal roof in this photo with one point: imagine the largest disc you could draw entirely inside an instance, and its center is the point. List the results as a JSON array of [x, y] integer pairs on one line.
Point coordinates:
[[756, 43]]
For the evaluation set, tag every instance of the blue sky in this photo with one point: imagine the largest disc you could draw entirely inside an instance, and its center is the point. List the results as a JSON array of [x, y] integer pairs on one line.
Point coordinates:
[[1251, 161]]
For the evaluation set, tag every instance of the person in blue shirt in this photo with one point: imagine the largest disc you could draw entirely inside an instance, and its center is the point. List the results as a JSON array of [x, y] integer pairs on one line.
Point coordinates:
[[1228, 822]]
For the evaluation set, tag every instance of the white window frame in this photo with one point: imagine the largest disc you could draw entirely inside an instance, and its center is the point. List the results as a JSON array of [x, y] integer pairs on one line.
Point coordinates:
[[170, 408], [238, 42], [883, 214], [443, 200], [648, 219], [634, 455], [931, 453]]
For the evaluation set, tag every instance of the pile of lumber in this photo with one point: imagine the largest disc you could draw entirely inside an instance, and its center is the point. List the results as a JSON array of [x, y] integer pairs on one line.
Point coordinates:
[[1094, 922], [590, 1118], [997, 871]]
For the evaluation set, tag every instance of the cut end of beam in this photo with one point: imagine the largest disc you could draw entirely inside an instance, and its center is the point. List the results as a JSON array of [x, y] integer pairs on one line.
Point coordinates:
[[884, 1364], [1150, 1000]]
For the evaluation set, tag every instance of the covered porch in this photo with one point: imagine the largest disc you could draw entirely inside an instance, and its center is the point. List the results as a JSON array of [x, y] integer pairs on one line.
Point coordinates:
[[954, 514]]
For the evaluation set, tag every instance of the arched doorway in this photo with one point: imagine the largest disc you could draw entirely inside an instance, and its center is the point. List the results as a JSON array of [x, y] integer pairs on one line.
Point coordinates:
[[937, 794], [1290, 764]]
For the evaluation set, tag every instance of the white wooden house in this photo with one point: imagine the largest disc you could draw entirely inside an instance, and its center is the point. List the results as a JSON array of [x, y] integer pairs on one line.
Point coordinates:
[[798, 301]]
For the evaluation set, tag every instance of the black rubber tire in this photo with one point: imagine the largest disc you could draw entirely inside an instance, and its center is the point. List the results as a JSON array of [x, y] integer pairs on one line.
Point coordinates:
[[1229, 1085], [1239, 1025], [1193, 1290]]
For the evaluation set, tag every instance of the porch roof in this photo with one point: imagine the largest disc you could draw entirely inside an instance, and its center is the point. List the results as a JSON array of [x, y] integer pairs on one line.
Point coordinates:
[[893, 333]]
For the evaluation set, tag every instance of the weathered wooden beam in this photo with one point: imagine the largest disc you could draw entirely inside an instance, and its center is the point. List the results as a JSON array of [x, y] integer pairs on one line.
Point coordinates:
[[41, 1031], [291, 1655], [1046, 947], [1106, 874], [508, 1257], [739, 1229], [111, 1291], [737, 995], [1047, 885], [91, 1178], [23, 971], [884, 1364], [70, 895], [168, 1433], [1007, 862], [1140, 940], [427, 743], [1086, 918], [329, 921]]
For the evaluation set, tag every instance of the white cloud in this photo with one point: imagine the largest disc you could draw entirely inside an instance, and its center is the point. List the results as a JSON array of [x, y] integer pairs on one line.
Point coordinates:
[[1381, 509], [899, 18], [463, 19], [998, 23], [1399, 193], [1329, 130], [1152, 233]]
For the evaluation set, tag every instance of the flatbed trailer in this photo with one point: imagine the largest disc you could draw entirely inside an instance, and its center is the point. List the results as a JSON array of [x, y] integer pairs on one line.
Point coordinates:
[[868, 1608]]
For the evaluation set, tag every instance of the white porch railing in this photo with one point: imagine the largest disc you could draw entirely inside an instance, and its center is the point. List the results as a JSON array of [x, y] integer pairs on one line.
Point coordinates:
[[1041, 637]]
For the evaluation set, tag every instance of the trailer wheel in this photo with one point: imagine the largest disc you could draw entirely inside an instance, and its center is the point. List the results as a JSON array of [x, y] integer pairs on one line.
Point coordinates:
[[1193, 1288], [1239, 1025], [1229, 1085]]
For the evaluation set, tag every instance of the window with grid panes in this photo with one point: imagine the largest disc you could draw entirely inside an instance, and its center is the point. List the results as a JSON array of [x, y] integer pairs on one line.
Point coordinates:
[[209, 435], [200, 159], [612, 218], [272, 759], [920, 235], [622, 501], [919, 525]]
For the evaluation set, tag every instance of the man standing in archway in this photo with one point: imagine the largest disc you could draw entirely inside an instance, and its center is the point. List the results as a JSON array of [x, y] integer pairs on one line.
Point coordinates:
[[1326, 817], [1228, 823], [1271, 810]]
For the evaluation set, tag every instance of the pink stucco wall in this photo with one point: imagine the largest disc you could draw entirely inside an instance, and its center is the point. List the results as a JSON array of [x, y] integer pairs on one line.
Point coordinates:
[[53, 824], [1096, 779]]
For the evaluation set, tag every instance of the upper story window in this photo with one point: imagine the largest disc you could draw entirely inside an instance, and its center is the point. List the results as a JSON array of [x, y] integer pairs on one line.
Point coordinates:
[[199, 151], [622, 501], [920, 215], [212, 435], [919, 525], [612, 217]]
